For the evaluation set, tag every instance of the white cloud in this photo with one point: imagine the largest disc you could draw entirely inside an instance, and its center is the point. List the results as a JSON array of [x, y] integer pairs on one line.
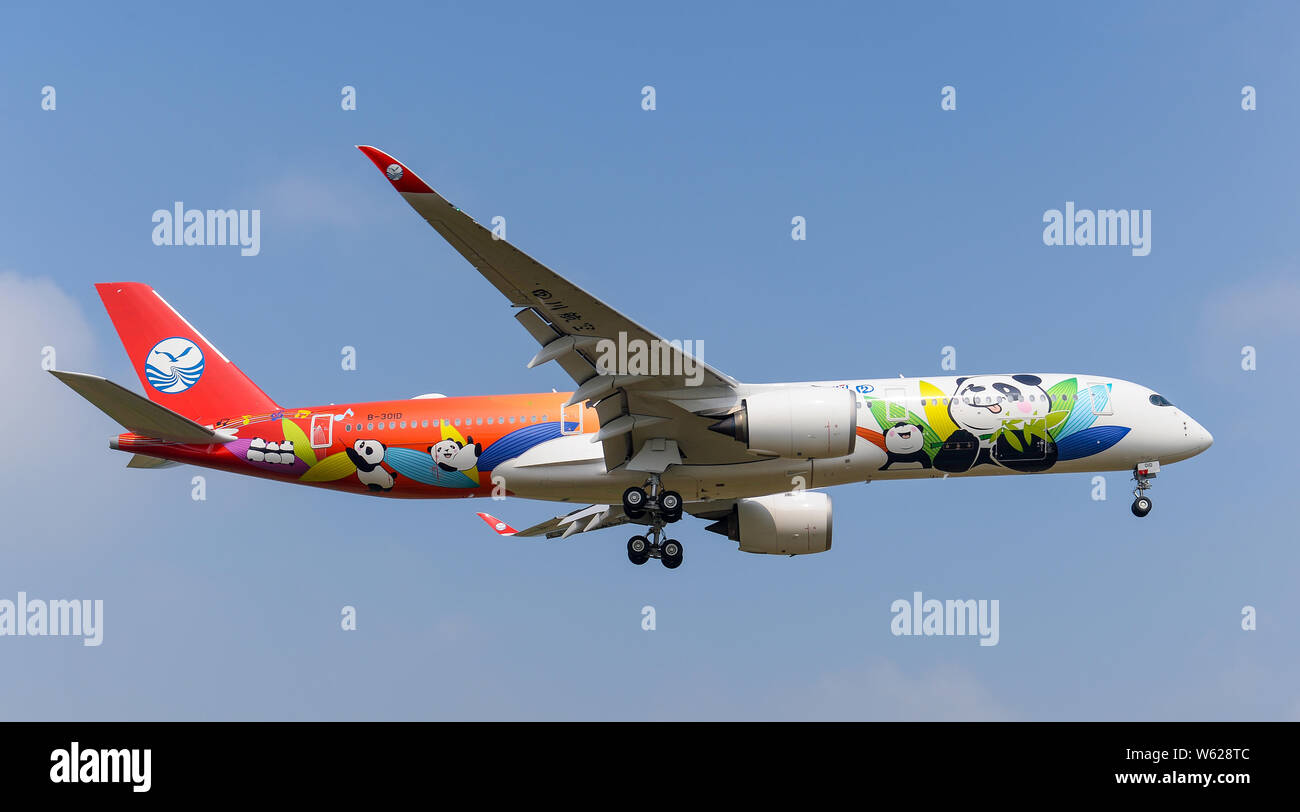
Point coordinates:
[[38, 315], [1261, 306], [56, 444]]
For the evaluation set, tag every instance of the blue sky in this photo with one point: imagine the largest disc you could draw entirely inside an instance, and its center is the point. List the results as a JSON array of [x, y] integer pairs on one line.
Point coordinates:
[[924, 230]]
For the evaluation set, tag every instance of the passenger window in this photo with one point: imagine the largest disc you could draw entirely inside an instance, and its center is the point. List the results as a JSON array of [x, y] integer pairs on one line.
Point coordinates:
[[479, 421], [489, 421], [370, 426], [403, 424]]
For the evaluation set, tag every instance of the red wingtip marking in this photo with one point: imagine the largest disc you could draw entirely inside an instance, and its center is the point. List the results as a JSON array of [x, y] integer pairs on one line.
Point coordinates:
[[500, 527], [402, 178]]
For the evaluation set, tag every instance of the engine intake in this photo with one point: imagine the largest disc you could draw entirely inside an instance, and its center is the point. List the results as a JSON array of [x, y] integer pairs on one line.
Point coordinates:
[[796, 523], [808, 422]]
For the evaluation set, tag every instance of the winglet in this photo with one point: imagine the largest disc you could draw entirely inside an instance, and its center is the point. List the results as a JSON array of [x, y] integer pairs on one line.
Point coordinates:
[[501, 528], [402, 178]]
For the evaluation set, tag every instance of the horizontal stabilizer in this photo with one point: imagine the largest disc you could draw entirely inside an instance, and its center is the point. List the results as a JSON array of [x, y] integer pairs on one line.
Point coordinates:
[[139, 414], [145, 461]]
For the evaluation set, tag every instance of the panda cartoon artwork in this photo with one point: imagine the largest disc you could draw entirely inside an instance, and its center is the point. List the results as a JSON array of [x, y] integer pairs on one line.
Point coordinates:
[[455, 456], [367, 455], [905, 447], [980, 407]]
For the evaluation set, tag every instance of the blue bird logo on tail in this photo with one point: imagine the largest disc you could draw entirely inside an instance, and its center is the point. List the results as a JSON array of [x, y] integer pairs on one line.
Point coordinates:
[[173, 365]]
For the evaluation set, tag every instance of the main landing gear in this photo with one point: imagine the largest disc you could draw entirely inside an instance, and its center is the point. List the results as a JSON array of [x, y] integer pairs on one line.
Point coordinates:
[[641, 549], [1143, 473], [663, 507]]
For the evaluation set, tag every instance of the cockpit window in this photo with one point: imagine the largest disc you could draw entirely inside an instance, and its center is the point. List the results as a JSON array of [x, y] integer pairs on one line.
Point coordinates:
[[1159, 400]]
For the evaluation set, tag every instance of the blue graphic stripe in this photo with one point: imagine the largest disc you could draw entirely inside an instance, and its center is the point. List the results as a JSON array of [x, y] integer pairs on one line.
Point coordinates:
[[418, 465], [519, 441], [1089, 441]]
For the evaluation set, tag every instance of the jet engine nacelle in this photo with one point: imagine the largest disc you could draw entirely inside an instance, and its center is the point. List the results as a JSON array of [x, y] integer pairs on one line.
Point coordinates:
[[795, 523], [805, 422]]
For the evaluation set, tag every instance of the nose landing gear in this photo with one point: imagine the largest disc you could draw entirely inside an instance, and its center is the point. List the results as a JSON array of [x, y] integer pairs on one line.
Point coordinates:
[[1143, 473], [663, 507]]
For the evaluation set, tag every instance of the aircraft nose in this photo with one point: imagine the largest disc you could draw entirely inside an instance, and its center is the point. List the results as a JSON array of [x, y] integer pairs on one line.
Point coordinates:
[[1200, 436]]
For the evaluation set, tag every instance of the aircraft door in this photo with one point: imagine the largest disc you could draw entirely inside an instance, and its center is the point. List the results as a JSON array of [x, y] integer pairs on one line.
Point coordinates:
[[321, 431], [571, 418], [1099, 398], [896, 404]]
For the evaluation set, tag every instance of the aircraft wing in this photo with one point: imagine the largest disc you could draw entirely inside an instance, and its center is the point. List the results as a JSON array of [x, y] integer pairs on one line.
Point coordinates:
[[675, 404], [595, 517], [582, 520]]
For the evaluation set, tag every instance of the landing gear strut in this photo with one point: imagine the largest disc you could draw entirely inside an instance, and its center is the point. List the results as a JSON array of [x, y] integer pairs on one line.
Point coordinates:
[[663, 507], [1143, 473]]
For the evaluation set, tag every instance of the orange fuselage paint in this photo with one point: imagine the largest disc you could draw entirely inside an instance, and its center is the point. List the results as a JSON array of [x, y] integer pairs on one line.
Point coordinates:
[[406, 431]]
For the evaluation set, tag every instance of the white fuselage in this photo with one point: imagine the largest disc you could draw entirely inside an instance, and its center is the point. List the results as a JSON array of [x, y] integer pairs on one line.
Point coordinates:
[[912, 428]]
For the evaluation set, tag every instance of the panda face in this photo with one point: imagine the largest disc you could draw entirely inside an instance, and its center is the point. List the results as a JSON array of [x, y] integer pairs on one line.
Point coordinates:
[[982, 403], [444, 451], [904, 438], [372, 451]]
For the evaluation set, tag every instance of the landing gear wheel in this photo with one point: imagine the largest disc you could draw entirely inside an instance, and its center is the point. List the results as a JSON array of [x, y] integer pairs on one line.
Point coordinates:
[[670, 502], [1143, 473], [671, 554], [634, 500], [638, 550]]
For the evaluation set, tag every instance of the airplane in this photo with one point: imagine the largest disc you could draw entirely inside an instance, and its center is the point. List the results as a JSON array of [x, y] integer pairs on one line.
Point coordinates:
[[650, 433]]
